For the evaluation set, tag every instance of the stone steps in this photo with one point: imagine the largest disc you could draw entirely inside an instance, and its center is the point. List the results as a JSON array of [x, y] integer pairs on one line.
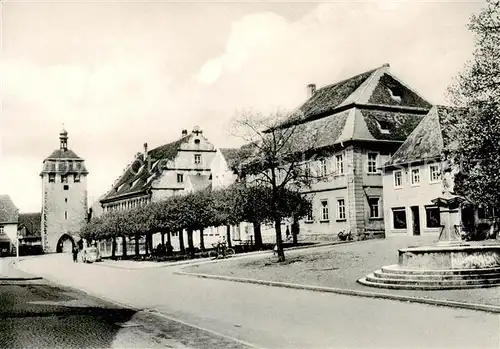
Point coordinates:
[[396, 269], [394, 277]]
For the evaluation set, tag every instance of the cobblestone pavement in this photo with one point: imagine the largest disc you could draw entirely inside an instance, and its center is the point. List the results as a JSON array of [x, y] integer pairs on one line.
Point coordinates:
[[270, 317], [40, 314]]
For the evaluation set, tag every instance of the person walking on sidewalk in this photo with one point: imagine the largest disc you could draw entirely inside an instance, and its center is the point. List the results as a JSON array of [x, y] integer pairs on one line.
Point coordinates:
[[75, 254]]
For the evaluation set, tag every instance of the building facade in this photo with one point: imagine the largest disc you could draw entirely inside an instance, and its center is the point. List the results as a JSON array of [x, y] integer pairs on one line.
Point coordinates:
[[64, 198], [9, 215], [359, 123], [416, 174], [162, 172]]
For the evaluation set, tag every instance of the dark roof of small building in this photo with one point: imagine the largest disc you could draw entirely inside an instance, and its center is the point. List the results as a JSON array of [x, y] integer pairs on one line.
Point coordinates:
[[135, 178], [235, 156], [32, 223], [8, 211], [428, 140]]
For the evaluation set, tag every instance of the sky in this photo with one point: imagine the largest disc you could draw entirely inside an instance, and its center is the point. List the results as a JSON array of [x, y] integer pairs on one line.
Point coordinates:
[[118, 74]]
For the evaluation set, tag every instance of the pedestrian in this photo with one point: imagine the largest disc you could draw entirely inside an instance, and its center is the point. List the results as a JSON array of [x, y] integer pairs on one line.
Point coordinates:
[[75, 254]]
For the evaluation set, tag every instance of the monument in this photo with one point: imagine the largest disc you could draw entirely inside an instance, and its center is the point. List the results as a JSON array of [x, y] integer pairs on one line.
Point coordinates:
[[450, 263]]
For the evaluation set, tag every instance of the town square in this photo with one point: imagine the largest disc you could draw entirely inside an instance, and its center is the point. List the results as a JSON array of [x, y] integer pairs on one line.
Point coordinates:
[[250, 175]]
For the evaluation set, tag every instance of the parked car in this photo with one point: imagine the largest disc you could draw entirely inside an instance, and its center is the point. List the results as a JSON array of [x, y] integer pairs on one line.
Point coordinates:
[[90, 255]]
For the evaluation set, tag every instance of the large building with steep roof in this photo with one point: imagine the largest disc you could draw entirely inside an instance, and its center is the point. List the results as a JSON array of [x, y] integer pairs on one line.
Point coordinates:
[[161, 172], [359, 123], [9, 215], [64, 198]]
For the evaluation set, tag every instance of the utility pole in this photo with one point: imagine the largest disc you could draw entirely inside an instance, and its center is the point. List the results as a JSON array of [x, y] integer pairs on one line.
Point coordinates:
[[17, 246]]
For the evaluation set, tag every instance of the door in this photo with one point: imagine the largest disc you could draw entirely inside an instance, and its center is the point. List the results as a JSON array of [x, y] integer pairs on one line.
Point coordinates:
[[416, 220]]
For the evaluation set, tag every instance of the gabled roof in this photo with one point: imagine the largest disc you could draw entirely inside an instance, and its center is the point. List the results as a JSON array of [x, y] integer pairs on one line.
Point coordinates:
[[8, 211], [32, 223], [235, 156], [374, 87], [134, 180], [428, 140], [199, 182]]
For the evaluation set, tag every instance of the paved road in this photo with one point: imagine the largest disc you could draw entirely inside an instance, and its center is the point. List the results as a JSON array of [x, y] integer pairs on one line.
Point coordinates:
[[280, 318], [40, 314]]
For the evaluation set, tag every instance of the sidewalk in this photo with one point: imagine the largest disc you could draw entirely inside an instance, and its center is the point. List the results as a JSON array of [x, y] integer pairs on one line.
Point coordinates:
[[8, 272], [337, 269]]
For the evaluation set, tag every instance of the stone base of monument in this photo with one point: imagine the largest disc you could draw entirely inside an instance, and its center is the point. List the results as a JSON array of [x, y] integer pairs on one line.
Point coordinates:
[[441, 266]]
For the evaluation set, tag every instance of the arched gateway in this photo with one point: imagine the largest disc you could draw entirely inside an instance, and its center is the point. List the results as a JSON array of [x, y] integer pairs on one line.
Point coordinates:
[[65, 244]]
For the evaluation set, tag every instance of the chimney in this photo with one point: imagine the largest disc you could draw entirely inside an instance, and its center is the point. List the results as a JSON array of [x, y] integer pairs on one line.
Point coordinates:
[[145, 151], [386, 65], [311, 89], [184, 133]]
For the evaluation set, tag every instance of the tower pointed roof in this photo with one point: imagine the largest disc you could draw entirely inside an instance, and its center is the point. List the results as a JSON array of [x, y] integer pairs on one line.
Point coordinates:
[[63, 160]]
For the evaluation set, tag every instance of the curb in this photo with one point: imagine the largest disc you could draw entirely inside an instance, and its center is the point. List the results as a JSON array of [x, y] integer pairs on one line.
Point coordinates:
[[350, 292], [13, 265]]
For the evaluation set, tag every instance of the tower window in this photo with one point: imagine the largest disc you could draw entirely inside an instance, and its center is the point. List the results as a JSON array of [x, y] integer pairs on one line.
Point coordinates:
[[76, 178], [180, 178], [64, 179], [66, 200], [66, 187], [65, 214], [52, 178]]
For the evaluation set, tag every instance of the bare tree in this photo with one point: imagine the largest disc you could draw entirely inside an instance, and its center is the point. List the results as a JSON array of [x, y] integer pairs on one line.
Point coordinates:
[[283, 149]]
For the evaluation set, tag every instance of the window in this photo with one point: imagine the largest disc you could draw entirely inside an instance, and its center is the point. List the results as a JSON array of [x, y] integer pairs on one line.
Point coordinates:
[[485, 212], [324, 210], [197, 141], [341, 209], [399, 218], [384, 127], [66, 200], [197, 158], [307, 170], [339, 163], [2, 230], [415, 176], [323, 168], [372, 162], [433, 217], [65, 214], [52, 178], [310, 217], [374, 207], [66, 187], [180, 178], [398, 179], [435, 174], [76, 178], [64, 179]]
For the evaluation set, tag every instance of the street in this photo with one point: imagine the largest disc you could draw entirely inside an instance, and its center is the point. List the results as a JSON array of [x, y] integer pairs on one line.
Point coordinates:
[[39, 314], [270, 317]]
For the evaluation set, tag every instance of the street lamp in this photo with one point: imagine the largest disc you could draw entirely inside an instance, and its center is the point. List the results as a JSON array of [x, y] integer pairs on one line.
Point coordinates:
[[17, 246]]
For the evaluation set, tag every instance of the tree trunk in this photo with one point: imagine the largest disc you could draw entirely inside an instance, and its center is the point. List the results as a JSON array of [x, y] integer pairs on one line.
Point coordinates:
[[146, 244], [202, 240], [124, 246], [257, 235], [279, 243], [181, 241], [163, 239], [295, 230], [137, 245], [113, 248], [228, 236], [190, 242]]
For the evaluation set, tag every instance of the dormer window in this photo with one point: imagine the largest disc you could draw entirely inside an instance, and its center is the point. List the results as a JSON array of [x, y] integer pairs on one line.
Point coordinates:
[[135, 182], [150, 178], [395, 95], [383, 126], [120, 187]]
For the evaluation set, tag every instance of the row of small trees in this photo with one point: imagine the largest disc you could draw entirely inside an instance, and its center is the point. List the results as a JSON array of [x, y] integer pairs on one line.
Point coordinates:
[[197, 211]]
